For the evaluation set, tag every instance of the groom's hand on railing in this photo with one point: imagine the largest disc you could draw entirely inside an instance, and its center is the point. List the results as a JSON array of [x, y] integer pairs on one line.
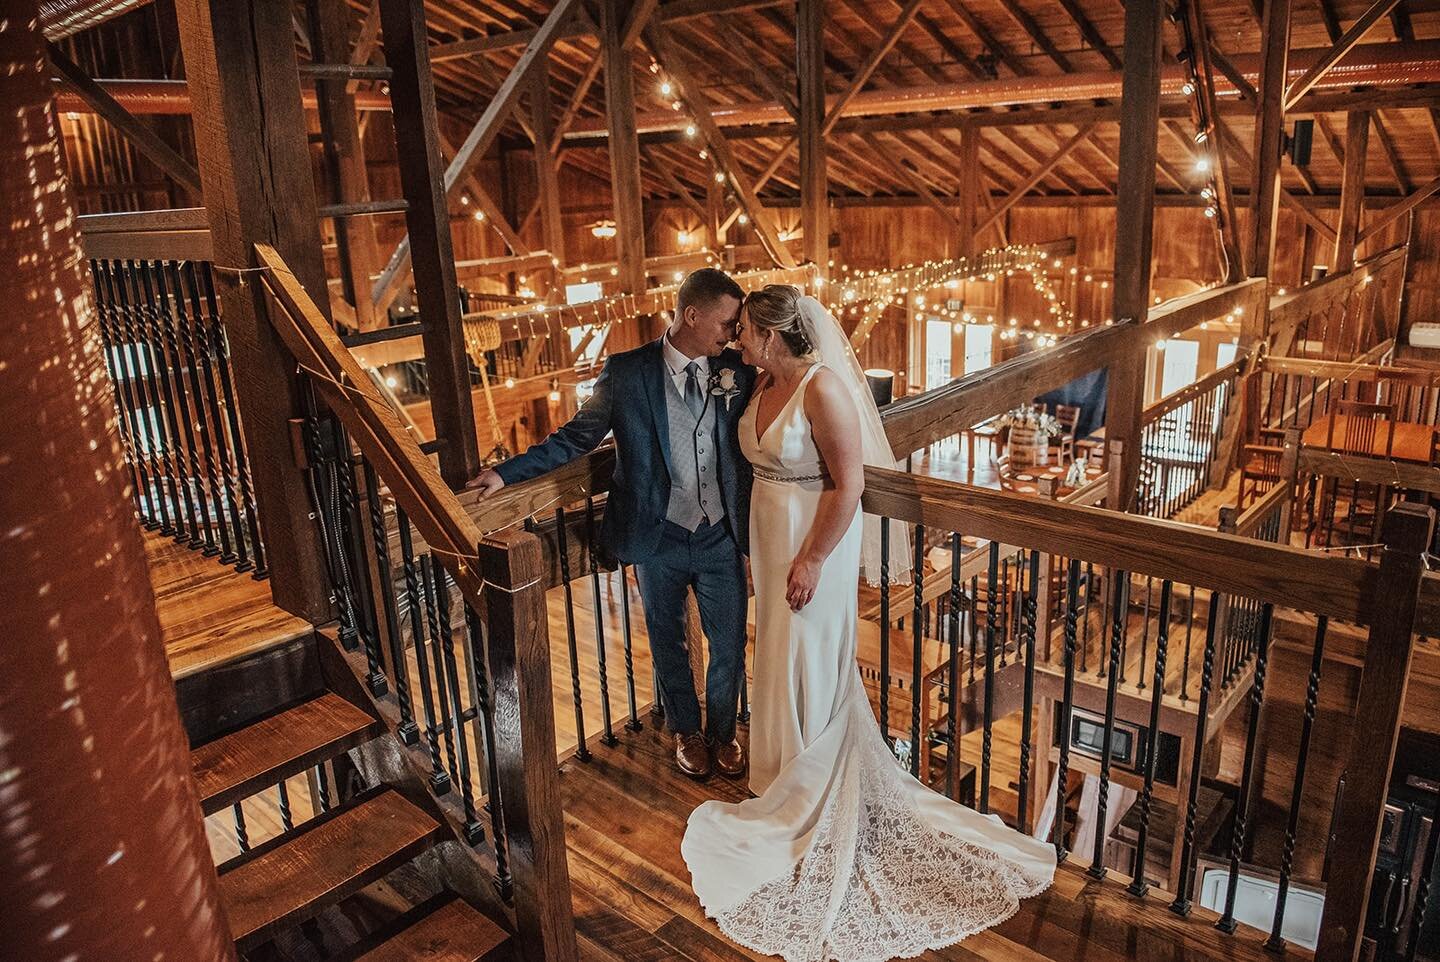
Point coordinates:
[[487, 482]]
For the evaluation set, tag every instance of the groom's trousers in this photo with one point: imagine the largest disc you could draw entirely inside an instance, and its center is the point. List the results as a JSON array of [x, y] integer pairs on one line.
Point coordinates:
[[708, 560]]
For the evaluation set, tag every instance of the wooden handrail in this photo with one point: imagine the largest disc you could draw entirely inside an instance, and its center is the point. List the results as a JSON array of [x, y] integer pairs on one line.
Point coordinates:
[[921, 419], [498, 578], [1194, 390], [1249, 521], [1336, 587], [1289, 309]]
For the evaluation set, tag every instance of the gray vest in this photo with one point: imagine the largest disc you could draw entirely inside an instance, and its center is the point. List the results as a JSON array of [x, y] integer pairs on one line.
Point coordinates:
[[694, 463]]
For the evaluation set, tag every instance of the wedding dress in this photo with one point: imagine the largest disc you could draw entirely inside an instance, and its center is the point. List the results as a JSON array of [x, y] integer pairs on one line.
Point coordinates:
[[843, 855]]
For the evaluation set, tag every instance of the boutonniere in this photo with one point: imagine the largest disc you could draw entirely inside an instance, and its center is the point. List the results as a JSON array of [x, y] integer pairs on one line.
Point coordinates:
[[722, 384]]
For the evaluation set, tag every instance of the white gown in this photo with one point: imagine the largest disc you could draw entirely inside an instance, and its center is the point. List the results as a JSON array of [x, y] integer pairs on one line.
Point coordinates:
[[843, 855]]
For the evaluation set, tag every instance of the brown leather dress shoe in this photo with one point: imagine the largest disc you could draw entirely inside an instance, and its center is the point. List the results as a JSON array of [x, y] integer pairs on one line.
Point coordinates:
[[692, 755], [730, 759]]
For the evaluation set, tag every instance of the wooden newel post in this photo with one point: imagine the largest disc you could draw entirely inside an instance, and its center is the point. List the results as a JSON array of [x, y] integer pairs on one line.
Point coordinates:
[[1377, 727], [1290, 477], [518, 650], [1116, 497]]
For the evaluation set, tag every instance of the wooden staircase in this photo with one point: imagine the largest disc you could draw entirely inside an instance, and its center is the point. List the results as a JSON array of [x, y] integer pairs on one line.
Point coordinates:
[[287, 711]]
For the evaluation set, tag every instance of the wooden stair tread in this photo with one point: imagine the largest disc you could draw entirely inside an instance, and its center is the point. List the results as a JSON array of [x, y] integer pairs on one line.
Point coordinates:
[[328, 859], [453, 932], [286, 743]]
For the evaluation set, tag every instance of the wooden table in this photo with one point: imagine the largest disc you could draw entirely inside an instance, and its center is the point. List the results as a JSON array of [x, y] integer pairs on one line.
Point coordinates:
[[1400, 440], [1026, 480]]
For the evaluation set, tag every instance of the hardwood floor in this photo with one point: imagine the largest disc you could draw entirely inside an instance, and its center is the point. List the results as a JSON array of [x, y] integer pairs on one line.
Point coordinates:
[[625, 813], [209, 613]]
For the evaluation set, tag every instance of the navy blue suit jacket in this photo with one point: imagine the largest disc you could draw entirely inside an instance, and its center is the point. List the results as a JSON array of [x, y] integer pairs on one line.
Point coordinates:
[[629, 400]]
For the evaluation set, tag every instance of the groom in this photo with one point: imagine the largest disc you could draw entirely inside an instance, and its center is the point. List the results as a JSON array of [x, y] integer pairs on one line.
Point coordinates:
[[679, 503]]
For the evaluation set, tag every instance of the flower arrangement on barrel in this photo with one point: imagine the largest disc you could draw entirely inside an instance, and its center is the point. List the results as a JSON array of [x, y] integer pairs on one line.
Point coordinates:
[[1029, 433]]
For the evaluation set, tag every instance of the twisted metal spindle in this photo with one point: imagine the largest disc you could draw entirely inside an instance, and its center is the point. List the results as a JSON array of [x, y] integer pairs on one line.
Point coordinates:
[[607, 736], [1138, 886], [431, 575], [439, 778], [287, 820], [504, 884], [1067, 705], [1028, 627], [917, 666], [474, 833], [582, 751], [1292, 824], [634, 724], [1227, 922], [885, 628], [992, 625], [407, 731], [242, 837], [952, 675], [1117, 640]]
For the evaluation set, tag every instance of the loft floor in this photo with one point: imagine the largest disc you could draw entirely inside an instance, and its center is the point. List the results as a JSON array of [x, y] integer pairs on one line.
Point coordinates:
[[209, 613], [625, 813]]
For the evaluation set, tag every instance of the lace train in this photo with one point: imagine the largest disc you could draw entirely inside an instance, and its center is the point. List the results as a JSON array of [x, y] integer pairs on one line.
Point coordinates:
[[902, 886]]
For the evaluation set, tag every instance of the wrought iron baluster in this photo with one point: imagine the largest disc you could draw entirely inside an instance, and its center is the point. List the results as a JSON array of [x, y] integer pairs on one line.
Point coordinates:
[[1189, 630], [432, 574], [885, 628], [407, 731], [1117, 638], [974, 624], [1085, 627], [287, 819], [917, 666], [1227, 921], [221, 350], [473, 831], [1145, 633], [232, 531], [439, 778], [1138, 885], [1422, 889], [153, 318], [991, 629], [217, 536], [202, 534], [322, 788], [354, 569], [582, 751], [952, 675], [1292, 824], [121, 387], [1067, 706], [1022, 811], [485, 704], [634, 724], [153, 417], [608, 732], [242, 836]]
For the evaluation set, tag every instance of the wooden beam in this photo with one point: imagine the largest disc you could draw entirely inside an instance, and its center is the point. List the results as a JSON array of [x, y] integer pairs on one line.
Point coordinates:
[[486, 203], [763, 74], [1227, 223], [1337, 51], [640, 13], [547, 185], [483, 134], [867, 69], [130, 127], [1029, 184], [886, 157], [625, 186], [658, 164], [428, 243], [1134, 217], [344, 155], [968, 191], [1378, 707], [810, 117], [258, 185], [1392, 154], [1352, 189], [1397, 211], [365, 43], [700, 110], [1269, 127]]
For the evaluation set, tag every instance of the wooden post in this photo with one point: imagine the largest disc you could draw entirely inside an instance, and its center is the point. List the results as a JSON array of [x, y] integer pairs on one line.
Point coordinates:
[[1290, 476], [1352, 189], [625, 187], [1377, 727], [1269, 125], [518, 648], [344, 158], [552, 226], [1134, 215], [255, 170], [814, 179], [422, 170], [968, 191]]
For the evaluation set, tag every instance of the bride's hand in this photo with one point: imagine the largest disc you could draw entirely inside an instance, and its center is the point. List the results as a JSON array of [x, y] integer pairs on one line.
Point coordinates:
[[800, 584]]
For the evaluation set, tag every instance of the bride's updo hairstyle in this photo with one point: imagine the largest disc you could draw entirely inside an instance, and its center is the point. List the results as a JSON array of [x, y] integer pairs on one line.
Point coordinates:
[[776, 307]]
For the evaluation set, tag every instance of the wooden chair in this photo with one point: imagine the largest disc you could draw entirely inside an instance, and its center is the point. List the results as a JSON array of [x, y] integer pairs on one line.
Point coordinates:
[[1363, 423], [1069, 417], [1259, 473], [1362, 428], [1409, 392]]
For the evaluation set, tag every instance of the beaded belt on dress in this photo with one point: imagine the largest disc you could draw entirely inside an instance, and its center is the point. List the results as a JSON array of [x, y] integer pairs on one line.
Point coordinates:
[[792, 478]]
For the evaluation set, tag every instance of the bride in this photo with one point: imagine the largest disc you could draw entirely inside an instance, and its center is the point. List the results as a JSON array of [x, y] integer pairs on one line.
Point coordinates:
[[843, 855]]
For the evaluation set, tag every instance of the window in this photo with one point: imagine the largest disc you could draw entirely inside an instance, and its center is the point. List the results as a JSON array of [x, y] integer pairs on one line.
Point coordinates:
[[979, 347], [1226, 354], [1180, 360], [583, 293], [937, 352]]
